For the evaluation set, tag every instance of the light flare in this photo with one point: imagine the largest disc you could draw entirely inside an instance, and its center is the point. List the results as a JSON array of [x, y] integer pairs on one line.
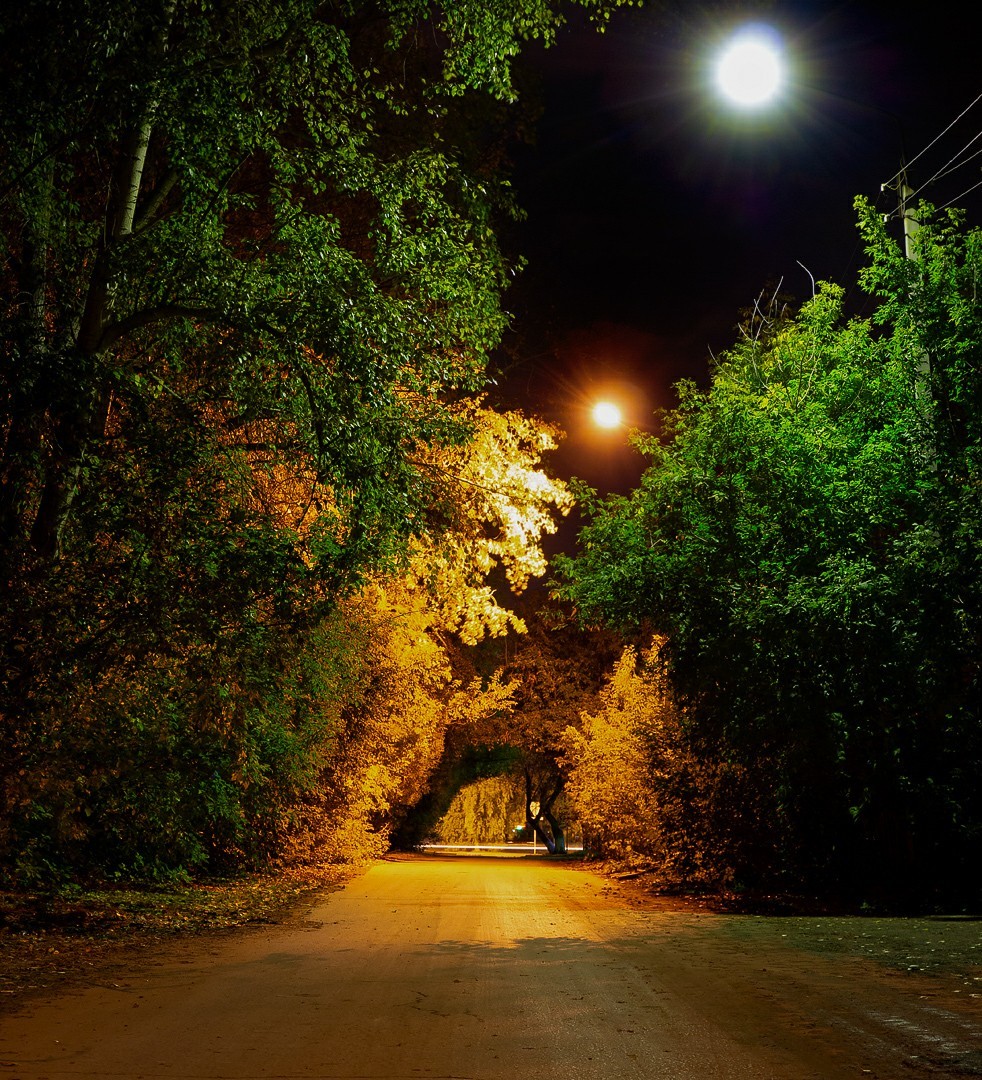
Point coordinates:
[[750, 71], [607, 415]]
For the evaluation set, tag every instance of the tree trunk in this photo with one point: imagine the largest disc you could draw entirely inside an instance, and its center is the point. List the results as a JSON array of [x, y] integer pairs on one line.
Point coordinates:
[[554, 839], [533, 817], [558, 834], [23, 444], [534, 824], [75, 402], [72, 438]]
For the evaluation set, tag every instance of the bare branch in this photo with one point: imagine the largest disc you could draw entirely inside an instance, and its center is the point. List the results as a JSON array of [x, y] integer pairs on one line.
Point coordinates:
[[810, 274]]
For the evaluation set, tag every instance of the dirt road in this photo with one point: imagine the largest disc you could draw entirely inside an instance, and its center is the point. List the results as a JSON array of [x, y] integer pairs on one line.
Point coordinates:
[[491, 968]]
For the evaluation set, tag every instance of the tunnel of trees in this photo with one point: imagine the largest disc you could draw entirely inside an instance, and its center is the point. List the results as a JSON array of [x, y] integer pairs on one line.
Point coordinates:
[[253, 493]]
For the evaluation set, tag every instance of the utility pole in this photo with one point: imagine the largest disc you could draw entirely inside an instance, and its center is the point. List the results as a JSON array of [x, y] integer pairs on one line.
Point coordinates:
[[911, 224], [911, 228], [922, 359]]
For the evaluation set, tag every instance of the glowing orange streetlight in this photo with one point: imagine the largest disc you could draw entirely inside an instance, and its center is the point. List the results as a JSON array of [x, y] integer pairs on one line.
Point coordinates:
[[607, 415]]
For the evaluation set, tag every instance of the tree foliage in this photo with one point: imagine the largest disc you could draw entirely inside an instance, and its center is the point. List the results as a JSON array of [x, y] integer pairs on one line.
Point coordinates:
[[485, 811], [250, 280], [644, 797], [807, 541], [495, 504], [555, 673], [388, 735], [258, 216]]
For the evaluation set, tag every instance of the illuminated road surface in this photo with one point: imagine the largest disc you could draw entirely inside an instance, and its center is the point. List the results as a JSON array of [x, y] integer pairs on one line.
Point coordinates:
[[453, 967]]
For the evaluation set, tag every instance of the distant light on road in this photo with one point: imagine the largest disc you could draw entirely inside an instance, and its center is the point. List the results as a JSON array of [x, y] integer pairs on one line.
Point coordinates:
[[607, 415], [499, 849]]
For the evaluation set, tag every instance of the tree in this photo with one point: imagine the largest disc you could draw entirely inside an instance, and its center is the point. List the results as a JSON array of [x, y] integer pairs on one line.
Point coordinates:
[[482, 812], [609, 770], [388, 736], [260, 740], [250, 276], [802, 541], [253, 212], [556, 672], [643, 797], [494, 503]]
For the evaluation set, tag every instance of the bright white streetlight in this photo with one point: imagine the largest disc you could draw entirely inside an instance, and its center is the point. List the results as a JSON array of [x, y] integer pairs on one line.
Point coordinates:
[[606, 414], [750, 70]]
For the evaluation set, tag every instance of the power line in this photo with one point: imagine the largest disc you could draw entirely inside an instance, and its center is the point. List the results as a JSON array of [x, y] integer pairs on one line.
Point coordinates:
[[900, 172], [968, 191], [971, 157], [944, 170]]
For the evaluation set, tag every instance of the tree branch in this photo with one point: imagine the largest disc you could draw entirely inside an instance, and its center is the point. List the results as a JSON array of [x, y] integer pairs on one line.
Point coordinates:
[[139, 319], [163, 189]]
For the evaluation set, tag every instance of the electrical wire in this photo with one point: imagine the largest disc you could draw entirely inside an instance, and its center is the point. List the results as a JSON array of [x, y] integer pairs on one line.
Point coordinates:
[[900, 172], [944, 170], [962, 196], [955, 168]]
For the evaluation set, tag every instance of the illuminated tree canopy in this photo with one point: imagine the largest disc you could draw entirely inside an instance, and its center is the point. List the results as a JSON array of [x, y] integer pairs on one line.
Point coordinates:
[[806, 540], [251, 279]]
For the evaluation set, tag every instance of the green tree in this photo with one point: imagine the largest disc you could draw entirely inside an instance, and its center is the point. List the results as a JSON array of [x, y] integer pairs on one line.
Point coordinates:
[[806, 540], [250, 271], [258, 213]]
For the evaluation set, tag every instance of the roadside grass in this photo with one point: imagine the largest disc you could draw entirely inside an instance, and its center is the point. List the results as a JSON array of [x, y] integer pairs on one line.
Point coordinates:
[[50, 940], [930, 945], [940, 945]]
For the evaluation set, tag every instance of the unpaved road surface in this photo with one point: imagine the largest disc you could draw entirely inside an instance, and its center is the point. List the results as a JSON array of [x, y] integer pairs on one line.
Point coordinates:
[[492, 968]]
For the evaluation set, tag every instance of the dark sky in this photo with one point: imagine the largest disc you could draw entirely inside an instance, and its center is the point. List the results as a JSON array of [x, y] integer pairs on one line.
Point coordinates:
[[656, 212]]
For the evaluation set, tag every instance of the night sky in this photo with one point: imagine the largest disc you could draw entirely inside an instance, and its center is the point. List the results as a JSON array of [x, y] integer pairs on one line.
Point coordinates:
[[656, 212]]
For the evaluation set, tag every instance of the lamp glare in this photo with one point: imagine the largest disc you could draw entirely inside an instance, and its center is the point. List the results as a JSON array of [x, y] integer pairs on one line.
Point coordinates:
[[606, 414], [750, 70]]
